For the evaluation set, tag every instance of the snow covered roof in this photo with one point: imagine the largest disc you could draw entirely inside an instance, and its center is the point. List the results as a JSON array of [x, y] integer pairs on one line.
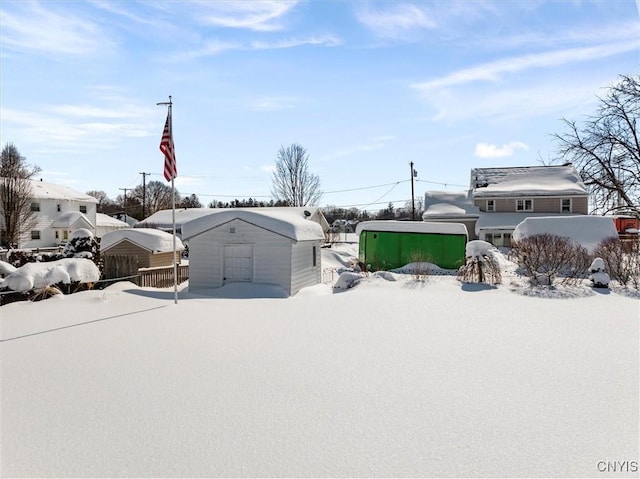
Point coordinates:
[[586, 230], [103, 220], [283, 221], [69, 219], [438, 204], [412, 227], [163, 218], [508, 221], [527, 181], [150, 239], [46, 190]]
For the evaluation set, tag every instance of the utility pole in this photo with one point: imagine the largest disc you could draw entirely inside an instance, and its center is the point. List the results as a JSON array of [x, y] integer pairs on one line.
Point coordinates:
[[414, 173], [124, 204], [144, 194]]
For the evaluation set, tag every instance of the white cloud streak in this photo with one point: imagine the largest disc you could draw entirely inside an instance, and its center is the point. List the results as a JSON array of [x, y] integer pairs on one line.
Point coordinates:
[[263, 15], [400, 21], [45, 31], [493, 71], [487, 150]]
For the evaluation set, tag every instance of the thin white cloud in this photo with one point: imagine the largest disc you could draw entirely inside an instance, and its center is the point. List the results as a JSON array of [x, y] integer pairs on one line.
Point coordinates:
[[261, 15], [268, 168], [68, 128], [376, 143], [557, 98], [493, 71], [273, 103], [216, 47], [325, 40], [34, 28], [397, 21], [487, 150]]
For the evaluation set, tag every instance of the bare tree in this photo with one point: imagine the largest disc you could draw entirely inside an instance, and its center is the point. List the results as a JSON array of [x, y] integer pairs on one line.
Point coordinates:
[[292, 181], [606, 149], [158, 198], [15, 196]]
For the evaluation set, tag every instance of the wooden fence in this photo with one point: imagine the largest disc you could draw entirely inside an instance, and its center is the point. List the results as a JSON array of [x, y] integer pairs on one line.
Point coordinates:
[[161, 277]]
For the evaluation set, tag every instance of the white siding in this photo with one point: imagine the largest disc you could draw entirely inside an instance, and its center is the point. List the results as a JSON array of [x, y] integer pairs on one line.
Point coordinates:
[[271, 255], [303, 272], [48, 214]]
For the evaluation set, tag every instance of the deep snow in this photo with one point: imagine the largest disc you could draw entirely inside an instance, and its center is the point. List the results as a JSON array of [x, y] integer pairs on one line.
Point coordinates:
[[389, 378]]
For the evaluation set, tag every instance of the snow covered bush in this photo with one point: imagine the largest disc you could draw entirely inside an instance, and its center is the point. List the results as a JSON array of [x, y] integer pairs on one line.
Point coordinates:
[[599, 278], [621, 259], [481, 265], [82, 244], [546, 258]]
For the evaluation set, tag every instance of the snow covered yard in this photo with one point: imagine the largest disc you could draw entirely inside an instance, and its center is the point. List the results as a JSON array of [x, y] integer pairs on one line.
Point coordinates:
[[389, 378]]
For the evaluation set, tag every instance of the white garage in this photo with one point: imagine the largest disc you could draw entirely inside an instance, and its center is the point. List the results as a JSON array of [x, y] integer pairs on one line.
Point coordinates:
[[273, 247]]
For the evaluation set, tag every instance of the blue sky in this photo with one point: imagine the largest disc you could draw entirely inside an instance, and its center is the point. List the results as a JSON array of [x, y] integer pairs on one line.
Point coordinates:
[[365, 86]]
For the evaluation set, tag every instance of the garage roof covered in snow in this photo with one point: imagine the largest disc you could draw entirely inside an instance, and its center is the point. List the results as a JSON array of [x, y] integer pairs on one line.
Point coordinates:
[[283, 221], [150, 239]]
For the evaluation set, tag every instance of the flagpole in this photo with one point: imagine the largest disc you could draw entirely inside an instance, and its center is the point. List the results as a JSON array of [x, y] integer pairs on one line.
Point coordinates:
[[173, 198]]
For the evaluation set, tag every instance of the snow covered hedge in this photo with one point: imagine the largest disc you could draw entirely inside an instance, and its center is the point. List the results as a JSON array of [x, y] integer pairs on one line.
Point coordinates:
[[33, 276]]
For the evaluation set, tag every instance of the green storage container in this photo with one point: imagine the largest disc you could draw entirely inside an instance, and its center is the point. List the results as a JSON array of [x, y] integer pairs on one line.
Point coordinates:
[[385, 245]]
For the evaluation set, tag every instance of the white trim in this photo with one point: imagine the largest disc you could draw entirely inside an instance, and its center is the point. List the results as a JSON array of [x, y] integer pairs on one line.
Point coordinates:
[[524, 204]]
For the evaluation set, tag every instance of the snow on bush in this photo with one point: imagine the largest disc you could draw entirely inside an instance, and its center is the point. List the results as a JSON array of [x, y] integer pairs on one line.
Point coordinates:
[[621, 260], [481, 265], [599, 277], [82, 244], [40, 275], [6, 268], [347, 280]]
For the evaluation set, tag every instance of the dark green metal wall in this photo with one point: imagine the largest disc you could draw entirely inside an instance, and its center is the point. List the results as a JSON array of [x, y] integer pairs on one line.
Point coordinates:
[[388, 250]]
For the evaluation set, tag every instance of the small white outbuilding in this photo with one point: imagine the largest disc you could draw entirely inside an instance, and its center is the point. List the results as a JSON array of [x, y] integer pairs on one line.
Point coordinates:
[[267, 246]]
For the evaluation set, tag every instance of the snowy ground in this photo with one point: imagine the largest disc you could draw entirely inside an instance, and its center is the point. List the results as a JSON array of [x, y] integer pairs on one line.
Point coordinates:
[[389, 378]]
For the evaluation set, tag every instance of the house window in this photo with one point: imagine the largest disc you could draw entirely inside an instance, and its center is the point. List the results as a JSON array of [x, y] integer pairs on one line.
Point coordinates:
[[35, 206], [65, 235], [314, 253], [524, 205], [58, 208], [491, 205], [35, 235], [57, 235], [565, 205], [83, 209]]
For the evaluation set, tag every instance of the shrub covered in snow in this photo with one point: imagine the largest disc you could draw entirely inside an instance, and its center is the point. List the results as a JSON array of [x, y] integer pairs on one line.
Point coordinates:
[[621, 260], [82, 244], [547, 257], [599, 278], [481, 265], [66, 271]]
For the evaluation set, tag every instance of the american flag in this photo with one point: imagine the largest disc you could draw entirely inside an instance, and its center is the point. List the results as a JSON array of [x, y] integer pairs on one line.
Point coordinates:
[[166, 147]]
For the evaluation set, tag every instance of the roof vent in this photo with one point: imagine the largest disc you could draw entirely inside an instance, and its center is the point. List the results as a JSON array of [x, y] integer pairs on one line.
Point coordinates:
[[307, 213]]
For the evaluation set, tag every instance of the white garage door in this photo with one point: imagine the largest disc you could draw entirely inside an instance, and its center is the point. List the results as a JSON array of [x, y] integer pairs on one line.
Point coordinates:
[[238, 263]]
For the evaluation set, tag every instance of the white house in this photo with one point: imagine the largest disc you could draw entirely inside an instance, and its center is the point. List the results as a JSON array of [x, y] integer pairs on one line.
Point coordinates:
[[263, 245], [59, 210], [106, 224]]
